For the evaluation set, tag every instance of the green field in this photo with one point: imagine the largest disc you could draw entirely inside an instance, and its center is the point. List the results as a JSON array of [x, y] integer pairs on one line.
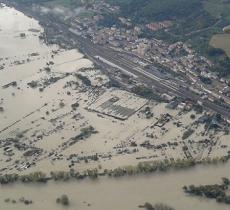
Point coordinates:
[[218, 8], [221, 41], [195, 22]]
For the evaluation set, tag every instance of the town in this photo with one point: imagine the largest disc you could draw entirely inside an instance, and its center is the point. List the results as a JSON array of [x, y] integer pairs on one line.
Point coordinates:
[[162, 88], [98, 112]]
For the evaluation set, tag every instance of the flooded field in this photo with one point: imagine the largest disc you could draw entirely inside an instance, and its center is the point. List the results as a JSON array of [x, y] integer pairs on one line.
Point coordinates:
[[22, 59], [58, 113], [221, 41]]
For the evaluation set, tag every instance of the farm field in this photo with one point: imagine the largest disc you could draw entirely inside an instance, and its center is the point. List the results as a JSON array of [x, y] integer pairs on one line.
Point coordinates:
[[221, 41]]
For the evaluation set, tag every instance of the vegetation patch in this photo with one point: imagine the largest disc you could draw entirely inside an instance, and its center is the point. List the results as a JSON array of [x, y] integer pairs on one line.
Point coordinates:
[[141, 168], [219, 192], [158, 206], [63, 200]]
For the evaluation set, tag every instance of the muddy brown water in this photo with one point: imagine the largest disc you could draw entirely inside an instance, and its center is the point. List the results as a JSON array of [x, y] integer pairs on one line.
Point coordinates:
[[106, 193], [120, 194]]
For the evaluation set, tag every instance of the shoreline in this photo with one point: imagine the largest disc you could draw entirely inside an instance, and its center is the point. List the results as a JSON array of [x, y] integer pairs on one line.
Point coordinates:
[[143, 168], [121, 193], [93, 173]]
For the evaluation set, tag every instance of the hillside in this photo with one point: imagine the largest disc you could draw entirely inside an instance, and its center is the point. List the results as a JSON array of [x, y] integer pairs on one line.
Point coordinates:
[[148, 10], [195, 22]]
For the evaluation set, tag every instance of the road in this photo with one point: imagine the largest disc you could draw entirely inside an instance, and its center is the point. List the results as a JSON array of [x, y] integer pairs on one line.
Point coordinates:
[[111, 56]]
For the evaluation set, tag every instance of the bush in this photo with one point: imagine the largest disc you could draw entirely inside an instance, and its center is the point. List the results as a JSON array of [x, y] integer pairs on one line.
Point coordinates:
[[64, 200], [159, 206], [215, 191], [84, 80], [187, 133]]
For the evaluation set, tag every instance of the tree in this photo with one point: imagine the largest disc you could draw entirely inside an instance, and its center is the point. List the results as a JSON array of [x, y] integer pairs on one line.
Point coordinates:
[[225, 181], [64, 200]]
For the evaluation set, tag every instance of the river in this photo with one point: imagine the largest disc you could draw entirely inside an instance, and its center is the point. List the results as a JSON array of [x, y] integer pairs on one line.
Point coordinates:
[[106, 193], [121, 194]]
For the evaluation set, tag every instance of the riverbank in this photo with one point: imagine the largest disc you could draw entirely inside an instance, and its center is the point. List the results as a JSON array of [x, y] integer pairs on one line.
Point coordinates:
[[120, 193], [56, 132], [142, 168]]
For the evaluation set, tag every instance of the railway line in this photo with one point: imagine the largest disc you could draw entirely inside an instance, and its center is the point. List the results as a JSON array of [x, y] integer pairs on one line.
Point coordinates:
[[91, 50], [168, 86]]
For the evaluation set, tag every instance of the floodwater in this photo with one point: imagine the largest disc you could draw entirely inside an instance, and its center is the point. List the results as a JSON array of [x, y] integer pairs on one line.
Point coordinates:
[[22, 59], [120, 194], [12, 24], [103, 194]]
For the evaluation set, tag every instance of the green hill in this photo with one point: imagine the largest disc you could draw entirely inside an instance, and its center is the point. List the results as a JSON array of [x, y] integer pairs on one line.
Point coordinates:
[[146, 10], [195, 21]]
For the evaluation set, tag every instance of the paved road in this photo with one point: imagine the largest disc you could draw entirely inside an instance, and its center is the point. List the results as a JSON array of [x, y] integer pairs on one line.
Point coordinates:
[[92, 50], [112, 56]]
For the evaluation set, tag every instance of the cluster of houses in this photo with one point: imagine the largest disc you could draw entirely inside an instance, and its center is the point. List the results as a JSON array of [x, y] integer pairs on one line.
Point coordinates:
[[178, 57], [155, 26]]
